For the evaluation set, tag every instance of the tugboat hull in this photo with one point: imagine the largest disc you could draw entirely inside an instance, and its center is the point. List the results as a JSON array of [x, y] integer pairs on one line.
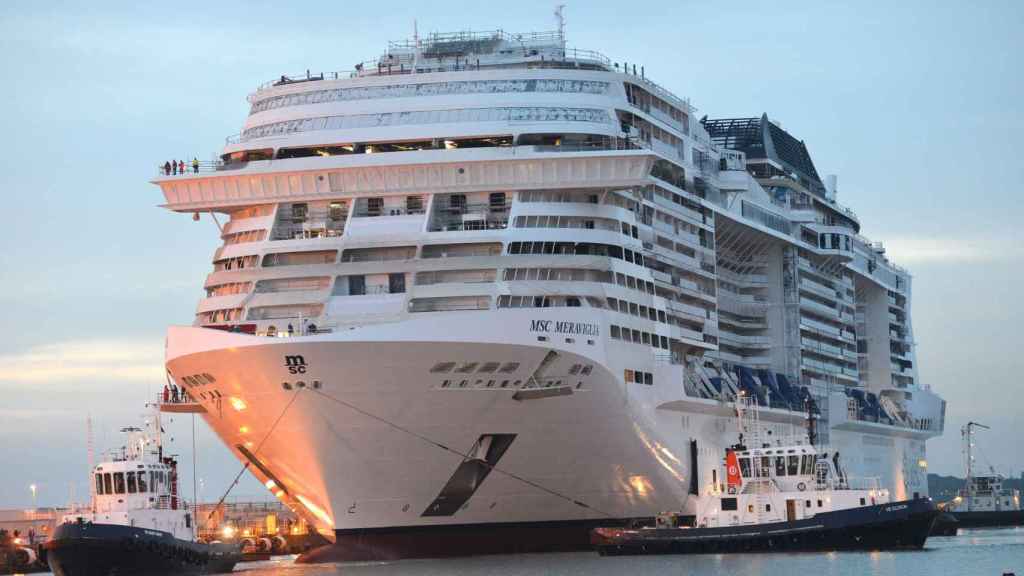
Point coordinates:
[[84, 549], [895, 525], [952, 521]]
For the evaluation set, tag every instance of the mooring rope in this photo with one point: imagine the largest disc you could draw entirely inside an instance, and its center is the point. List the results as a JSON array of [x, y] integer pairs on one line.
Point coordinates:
[[254, 452], [463, 455]]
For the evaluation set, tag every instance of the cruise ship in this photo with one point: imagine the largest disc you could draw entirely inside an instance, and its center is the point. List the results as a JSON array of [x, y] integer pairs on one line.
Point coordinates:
[[488, 291]]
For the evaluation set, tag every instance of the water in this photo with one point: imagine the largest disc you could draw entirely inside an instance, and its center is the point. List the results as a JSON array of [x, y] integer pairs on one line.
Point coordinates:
[[981, 552]]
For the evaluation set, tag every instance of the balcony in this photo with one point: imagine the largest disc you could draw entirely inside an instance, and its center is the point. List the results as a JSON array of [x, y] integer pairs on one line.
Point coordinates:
[[449, 217], [818, 289], [820, 309]]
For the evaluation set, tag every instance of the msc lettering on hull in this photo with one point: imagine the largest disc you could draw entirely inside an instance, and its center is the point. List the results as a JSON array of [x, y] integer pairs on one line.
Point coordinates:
[[295, 364], [563, 327]]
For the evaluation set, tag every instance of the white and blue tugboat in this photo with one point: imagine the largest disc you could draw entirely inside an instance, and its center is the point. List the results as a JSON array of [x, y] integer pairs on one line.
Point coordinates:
[[780, 494], [985, 501], [138, 524]]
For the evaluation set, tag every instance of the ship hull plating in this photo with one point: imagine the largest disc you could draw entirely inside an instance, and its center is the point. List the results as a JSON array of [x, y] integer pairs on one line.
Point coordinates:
[[395, 458]]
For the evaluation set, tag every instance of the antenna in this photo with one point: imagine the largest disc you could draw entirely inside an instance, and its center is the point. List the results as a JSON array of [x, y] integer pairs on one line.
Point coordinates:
[[968, 432], [92, 459], [560, 18], [416, 44]]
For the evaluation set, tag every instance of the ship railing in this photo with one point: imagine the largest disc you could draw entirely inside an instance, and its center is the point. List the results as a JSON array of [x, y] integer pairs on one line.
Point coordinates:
[[301, 326], [401, 65], [204, 167], [177, 396]]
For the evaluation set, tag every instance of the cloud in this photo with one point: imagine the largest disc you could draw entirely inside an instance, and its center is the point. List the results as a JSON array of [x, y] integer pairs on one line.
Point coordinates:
[[952, 250], [99, 360]]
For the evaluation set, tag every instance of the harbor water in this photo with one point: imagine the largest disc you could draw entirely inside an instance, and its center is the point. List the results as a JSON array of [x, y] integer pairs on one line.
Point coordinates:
[[980, 552]]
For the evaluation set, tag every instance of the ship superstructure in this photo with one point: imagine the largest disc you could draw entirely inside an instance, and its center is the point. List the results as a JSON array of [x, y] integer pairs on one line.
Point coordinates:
[[491, 280]]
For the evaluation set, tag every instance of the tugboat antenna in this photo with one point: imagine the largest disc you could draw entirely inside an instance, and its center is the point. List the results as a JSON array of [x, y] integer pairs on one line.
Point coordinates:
[[968, 432]]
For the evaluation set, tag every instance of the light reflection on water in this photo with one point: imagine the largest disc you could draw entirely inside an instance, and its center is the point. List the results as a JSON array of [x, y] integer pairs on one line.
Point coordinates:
[[983, 552]]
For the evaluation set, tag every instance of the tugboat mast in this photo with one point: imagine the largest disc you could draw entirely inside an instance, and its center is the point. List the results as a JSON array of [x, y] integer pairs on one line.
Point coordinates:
[[968, 432]]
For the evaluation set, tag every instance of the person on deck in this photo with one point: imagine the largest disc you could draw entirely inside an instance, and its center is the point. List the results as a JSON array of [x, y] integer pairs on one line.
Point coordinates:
[[167, 393], [167, 168], [181, 166], [195, 165]]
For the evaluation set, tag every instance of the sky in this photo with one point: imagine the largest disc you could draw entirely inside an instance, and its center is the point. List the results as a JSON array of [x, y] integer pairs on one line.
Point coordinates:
[[916, 106]]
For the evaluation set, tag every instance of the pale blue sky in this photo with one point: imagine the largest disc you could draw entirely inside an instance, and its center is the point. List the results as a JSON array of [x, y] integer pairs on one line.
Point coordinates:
[[916, 105]]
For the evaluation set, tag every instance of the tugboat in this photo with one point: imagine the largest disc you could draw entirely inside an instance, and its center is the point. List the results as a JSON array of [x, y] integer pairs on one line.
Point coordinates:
[[983, 501], [137, 524], [781, 495]]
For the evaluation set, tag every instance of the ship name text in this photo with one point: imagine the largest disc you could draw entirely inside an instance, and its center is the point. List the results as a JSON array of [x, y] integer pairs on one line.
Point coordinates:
[[564, 327]]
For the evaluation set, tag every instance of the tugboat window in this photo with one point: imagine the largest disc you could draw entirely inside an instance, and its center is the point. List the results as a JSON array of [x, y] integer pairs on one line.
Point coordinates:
[[99, 484], [729, 504], [780, 465], [132, 486], [793, 465], [119, 482], [107, 485], [142, 483], [745, 467]]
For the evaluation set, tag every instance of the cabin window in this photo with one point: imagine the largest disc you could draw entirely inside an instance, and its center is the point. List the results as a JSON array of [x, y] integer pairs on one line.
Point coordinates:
[[862, 502], [132, 486], [808, 464], [745, 467], [414, 204], [729, 505], [767, 507], [750, 508], [766, 467], [780, 465], [357, 285], [142, 483], [793, 465], [807, 504], [819, 503], [119, 482], [107, 485]]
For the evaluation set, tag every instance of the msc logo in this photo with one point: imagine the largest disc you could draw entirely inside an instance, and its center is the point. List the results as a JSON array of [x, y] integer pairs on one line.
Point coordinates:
[[295, 364]]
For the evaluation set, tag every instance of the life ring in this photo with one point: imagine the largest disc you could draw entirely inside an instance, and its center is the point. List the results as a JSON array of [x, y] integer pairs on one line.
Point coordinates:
[[801, 486]]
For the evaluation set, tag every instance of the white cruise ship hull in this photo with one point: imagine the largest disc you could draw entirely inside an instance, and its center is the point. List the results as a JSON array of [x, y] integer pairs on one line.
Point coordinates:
[[369, 443]]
